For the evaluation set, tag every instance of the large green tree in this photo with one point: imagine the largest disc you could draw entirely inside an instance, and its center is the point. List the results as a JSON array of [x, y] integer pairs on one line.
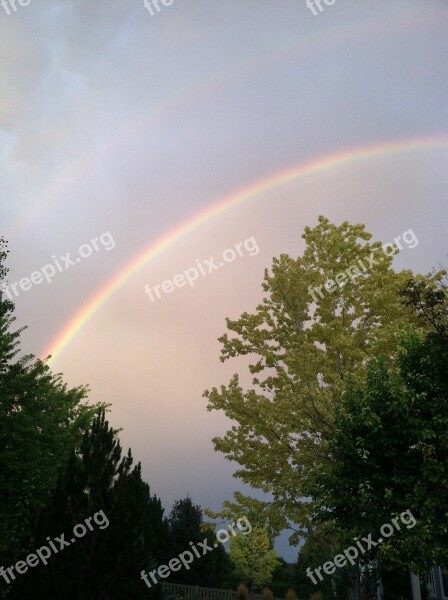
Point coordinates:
[[304, 345], [390, 447], [41, 421]]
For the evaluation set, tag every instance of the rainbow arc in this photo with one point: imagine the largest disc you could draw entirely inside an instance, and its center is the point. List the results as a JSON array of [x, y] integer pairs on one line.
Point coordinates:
[[156, 248]]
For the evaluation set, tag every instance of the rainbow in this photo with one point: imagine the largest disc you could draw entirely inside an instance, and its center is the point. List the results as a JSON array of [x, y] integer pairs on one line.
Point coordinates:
[[313, 167]]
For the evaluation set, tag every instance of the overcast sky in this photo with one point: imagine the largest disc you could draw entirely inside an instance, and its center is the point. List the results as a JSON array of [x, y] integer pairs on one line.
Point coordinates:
[[123, 126]]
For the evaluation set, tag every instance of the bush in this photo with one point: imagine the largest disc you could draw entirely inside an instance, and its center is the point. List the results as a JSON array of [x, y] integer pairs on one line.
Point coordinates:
[[242, 591], [279, 589], [267, 594], [316, 596], [290, 594]]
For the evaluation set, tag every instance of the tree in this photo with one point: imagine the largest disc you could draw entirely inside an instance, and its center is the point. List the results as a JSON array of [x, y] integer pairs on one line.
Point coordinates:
[[186, 527], [254, 558], [305, 350], [184, 524], [107, 562], [321, 544], [390, 455], [427, 296], [261, 513], [389, 451], [217, 566], [61, 465], [390, 448], [41, 421]]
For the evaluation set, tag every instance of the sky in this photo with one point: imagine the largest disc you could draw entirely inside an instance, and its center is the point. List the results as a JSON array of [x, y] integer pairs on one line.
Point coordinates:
[[137, 144]]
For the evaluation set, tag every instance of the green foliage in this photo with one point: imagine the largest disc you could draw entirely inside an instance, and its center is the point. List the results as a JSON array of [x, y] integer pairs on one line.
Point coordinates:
[[390, 453], [105, 563], [264, 514], [254, 558], [322, 543], [281, 572], [216, 565], [186, 525], [303, 355], [61, 463], [428, 298], [41, 421]]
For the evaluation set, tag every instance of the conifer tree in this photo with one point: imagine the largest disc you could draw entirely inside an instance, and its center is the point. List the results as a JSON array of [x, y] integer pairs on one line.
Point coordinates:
[[186, 525], [106, 562]]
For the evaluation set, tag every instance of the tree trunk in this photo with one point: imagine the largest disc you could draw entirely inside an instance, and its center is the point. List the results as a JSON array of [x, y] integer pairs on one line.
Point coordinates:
[[353, 576]]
